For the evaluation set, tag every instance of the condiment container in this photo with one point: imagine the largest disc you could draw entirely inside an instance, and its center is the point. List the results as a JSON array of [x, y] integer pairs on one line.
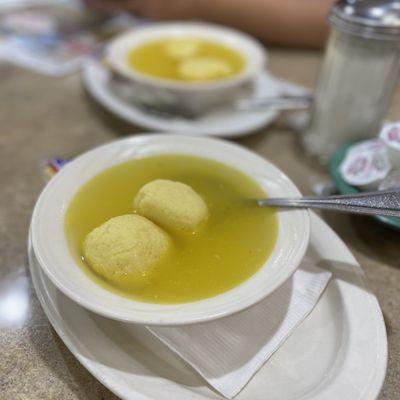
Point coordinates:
[[390, 136], [358, 75], [366, 165]]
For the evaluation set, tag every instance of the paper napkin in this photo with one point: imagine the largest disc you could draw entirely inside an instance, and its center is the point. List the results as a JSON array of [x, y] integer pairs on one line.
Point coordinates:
[[227, 352]]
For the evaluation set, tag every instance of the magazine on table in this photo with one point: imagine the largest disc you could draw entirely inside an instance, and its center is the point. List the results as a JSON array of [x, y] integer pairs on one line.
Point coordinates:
[[53, 38]]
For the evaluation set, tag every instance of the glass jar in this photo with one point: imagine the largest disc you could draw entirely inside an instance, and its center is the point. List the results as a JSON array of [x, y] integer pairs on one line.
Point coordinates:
[[358, 76]]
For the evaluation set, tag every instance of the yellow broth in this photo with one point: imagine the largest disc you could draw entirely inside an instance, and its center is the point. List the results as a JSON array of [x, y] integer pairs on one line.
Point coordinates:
[[234, 244], [153, 60]]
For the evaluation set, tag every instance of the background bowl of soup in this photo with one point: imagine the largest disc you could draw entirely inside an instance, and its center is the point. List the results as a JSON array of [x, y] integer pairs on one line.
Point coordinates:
[[259, 249], [187, 67]]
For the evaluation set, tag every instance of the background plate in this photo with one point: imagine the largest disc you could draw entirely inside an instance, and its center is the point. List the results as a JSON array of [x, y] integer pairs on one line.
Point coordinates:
[[96, 78]]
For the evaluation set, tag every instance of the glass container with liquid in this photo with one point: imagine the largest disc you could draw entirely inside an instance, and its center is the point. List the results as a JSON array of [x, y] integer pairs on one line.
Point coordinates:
[[358, 77]]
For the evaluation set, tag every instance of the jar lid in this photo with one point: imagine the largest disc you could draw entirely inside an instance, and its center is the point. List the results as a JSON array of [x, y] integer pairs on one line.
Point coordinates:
[[378, 19]]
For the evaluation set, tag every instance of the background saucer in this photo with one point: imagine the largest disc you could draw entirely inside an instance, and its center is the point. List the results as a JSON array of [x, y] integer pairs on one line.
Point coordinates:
[[224, 123]]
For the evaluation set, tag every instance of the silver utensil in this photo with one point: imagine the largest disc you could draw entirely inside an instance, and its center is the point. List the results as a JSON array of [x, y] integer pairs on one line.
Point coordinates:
[[278, 103], [384, 202], [283, 102]]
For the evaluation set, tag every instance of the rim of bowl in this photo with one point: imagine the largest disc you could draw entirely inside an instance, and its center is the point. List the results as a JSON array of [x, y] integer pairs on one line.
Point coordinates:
[[118, 48], [227, 303]]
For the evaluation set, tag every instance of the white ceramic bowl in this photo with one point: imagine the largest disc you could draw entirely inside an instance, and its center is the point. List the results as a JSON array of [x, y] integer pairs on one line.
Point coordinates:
[[51, 249], [194, 97]]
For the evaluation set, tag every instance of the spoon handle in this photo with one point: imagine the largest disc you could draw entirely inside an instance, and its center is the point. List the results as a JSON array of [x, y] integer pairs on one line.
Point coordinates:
[[384, 202], [283, 102]]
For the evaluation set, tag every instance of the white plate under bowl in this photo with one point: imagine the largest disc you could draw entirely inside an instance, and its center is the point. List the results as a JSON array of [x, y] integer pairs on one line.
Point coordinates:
[[51, 247], [338, 352], [223, 123]]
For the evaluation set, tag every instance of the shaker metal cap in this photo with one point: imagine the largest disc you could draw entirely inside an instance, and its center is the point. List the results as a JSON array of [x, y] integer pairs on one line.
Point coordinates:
[[378, 19]]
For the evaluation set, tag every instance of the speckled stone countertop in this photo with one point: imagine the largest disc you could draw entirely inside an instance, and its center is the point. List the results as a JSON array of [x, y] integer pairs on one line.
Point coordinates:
[[42, 117]]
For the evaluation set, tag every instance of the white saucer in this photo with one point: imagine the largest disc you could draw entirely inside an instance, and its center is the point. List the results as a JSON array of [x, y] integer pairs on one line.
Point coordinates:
[[338, 352], [96, 79]]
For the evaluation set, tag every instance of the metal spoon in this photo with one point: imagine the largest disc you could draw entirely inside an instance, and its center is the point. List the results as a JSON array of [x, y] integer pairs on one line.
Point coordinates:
[[383, 202], [282, 102], [277, 103]]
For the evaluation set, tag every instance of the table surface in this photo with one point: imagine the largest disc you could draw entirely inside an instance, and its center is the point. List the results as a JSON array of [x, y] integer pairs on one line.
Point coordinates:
[[43, 117]]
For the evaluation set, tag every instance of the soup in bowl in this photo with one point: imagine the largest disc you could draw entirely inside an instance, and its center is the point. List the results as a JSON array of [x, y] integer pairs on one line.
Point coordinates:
[[164, 230], [185, 66]]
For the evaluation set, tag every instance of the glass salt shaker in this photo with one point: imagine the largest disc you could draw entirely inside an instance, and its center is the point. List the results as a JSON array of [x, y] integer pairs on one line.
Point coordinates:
[[358, 77]]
